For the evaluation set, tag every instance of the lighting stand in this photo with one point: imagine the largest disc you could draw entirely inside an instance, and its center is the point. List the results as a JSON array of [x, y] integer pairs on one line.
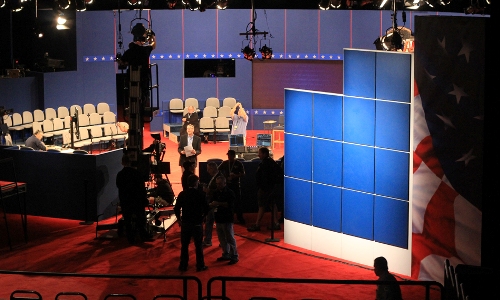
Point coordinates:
[[253, 32]]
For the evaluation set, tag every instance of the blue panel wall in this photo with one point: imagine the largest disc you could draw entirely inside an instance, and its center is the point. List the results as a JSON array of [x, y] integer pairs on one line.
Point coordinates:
[[327, 122], [361, 159], [391, 173], [388, 132], [299, 146], [356, 84], [298, 120], [299, 196], [327, 199], [359, 121], [357, 214], [390, 224], [384, 86], [327, 162], [358, 168]]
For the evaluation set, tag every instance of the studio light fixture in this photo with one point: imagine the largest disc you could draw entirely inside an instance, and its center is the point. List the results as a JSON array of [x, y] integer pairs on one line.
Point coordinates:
[[2, 3], [324, 4], [63, 4], [171, 4], [248, 53], [395, 37], [222, 4], [266, 52], [192, 4], [251, 38], [16, 5], [81, 5]]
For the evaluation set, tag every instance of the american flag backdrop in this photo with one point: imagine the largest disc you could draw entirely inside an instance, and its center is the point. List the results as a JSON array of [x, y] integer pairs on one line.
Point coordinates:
[[448, 143]]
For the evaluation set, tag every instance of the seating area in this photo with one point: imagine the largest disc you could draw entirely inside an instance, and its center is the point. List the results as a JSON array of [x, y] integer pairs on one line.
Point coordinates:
[[466, 282], [95, 126], [216, 125]]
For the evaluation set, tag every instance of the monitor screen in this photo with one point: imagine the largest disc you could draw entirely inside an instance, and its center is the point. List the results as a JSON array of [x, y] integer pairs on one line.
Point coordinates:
[[236, 140]]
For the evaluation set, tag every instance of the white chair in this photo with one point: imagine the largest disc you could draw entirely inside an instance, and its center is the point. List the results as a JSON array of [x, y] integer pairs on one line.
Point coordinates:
[[38, 115], [16, 125], [88, 109], [176, 106], [27, 119], [222, 126], [83, 140], [96, 137], [58, 129], [210, 112], [192, 102], [229, 101], [212, 101], [74, 108], [95, 119], [207, 126], [83, 121], [50, 113], [102, 107], [48, 128], [111, 133], [109, 117], [37, 126], [225, 111], [62, 112]]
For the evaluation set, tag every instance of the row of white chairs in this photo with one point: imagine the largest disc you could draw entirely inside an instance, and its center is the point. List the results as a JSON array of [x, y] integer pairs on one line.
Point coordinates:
[[176, 105], [18, 121]]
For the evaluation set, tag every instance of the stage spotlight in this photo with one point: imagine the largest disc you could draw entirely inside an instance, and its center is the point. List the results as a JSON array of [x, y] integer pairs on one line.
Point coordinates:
[[192, 4], [393, 40], [171, 4], [222, 4], [248, 53], [80, 5], [16, 5], [382, 3], [324, 4], [2, 3], [134, 2], [266, 52], [63, 4]]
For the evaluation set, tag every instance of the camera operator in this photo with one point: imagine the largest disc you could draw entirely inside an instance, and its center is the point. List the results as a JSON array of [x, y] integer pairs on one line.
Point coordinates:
[[137, 55]]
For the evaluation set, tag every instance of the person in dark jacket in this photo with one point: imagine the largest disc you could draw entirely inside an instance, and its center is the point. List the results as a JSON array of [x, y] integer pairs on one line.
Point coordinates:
[[133, 201], [223, 205], [266, 178], [190, 210]]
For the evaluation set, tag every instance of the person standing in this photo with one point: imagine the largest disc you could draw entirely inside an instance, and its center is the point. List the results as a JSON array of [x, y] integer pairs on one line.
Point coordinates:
[[266, 177], [387, 291], [191, 117], [223, 204], [133, 201], [188, 170], [233, 170], [209, 190], [35, 141], [190, 210], [193, 143], [240, 121]]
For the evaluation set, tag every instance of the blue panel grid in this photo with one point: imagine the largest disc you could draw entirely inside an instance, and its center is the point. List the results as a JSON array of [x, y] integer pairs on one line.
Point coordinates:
[[327, 158], [298, 200], [357, 214], [359, 73], [358, 168], [326, 208], [392, 128], [393, 76], [328, 116], [298, 147], [298, 118], [391, 222], [359, 121], [391, 173]]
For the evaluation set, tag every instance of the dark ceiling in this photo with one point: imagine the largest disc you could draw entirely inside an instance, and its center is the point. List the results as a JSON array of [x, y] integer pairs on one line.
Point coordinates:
[[480, 6]]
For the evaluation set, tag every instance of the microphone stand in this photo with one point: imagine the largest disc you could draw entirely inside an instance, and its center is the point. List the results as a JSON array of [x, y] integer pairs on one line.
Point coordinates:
[[273, 222]]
